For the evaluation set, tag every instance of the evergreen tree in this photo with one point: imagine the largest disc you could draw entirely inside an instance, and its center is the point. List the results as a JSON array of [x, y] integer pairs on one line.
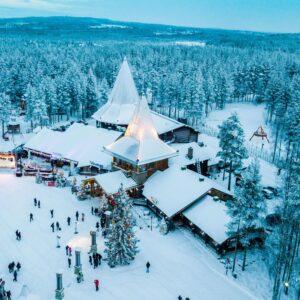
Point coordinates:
[[122, 243], [92, 99], [4, 110], [231, 142], [248, 209]]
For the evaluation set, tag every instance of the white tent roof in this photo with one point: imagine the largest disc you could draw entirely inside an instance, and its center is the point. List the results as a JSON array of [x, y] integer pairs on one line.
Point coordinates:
[[112, 181], [211, 217], [80, 143], [141, 144], [175, 189], [199, 153], [122, 101]]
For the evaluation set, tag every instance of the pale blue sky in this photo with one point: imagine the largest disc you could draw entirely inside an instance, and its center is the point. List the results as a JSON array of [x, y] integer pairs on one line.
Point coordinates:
[[257, 15]]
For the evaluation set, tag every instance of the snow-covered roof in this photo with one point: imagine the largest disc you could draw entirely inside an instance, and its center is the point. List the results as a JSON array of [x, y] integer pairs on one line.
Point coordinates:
[[141, 144], [211, 217], [80, 143], [163, 123], [111, 182], [199, 154], [175, 189], [122, 102]]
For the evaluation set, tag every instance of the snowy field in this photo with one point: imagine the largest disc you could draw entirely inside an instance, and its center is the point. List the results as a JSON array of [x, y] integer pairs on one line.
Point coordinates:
[[251, 117], [180, 264]]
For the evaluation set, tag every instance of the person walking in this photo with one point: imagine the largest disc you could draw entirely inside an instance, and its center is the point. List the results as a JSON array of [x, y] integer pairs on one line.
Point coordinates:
[[18, 266], [19, 235], [69, 221], [96, 281], [15, 275], [8, 295], [92, 210], [39, 204], [52, 226], [70, 251], [97, 226], [67, 250], [34, 201], [30, 217], [99, 257], [52, 213], [90, 260], [77, 215], [82, 217], [179, 297], [69, 262], [147, 267], [57, 226]]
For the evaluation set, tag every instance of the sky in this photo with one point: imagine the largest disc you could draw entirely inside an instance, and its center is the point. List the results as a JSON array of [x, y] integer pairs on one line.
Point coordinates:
[[254, 15]]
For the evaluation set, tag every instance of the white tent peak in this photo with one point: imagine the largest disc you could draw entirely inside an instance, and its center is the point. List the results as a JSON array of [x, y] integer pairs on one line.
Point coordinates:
[[141, 144], [141, 125], [122, 99]]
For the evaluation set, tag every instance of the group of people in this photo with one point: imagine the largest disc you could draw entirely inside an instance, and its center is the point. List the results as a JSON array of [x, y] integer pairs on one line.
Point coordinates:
[[180, 298], [95, 259], [4, 295]]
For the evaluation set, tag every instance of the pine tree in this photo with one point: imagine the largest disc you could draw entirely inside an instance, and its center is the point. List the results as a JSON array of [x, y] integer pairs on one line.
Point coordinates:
[[4, 110], [92, 99], [231, 142], [122, 243], [248, 209]]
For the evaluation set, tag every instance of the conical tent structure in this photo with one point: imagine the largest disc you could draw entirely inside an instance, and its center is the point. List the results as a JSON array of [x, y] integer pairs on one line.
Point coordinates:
[[122, 100], [141, 144], [260, 133]]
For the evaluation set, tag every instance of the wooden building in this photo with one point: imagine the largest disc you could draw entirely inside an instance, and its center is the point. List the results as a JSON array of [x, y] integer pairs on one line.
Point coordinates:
[[140, 152], [119, 109]]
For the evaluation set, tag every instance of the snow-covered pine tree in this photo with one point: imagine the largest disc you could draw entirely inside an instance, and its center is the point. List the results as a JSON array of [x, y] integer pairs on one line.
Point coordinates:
[[92, 99], [248, 208], [231, 142], [122, 243], [4, 110]]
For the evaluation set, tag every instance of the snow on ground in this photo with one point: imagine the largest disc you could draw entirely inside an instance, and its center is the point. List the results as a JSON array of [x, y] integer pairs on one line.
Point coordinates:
[[251, 117], [178, 264]]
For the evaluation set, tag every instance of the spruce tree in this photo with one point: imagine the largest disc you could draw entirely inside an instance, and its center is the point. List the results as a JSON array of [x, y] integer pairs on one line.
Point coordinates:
[[248, 208], [122, 243], [4, 110], [231, 142]]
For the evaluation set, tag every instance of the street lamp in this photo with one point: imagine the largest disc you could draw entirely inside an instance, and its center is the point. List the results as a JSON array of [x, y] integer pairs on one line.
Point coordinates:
[[286, 287]]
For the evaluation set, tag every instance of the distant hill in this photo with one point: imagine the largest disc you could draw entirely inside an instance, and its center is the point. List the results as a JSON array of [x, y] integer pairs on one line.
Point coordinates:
[[73, 28]]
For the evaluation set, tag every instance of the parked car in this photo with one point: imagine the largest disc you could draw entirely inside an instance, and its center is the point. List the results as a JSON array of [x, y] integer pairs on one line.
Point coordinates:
[[267, 193]]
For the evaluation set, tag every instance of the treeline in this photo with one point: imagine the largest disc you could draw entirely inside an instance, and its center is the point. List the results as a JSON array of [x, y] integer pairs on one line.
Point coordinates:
[[71, 77]]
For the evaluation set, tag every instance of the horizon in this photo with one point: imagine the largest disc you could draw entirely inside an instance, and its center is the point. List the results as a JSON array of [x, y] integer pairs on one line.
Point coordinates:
[[254, 15]]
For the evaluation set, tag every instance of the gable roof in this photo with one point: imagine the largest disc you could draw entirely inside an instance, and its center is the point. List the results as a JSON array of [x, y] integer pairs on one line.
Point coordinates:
[[141, 144], [80, 143], [111, 182], [174, 189], [211, 217]]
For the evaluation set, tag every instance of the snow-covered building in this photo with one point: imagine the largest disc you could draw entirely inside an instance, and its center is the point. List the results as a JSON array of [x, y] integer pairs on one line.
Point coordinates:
[[109, 183], [192, 156], [79, 145], [120, 108], [140, 152], [179, 194]]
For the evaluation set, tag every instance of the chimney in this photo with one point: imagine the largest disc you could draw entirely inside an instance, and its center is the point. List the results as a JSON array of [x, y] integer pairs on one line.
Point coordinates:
[[190, 153]]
